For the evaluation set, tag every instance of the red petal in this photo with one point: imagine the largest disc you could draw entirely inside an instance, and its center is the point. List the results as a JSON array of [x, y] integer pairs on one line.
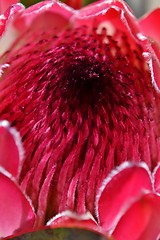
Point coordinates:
[[101, 7], [17, 215], [150, 27], [8, 33], [71, 219], [141, 221], [156, 177], [6, 4], [119, 190], [44, 15], [76, 4], [8, 15], [149, 24], [110, 15], [11, 151]]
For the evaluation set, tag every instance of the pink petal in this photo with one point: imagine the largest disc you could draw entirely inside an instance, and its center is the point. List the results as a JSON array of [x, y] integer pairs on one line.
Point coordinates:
[[8, 16], [11, 151], [101, 7], [141, 221], [45, 15], [156, 177], [8, 33], [119, 190], [112, 16], [17, 215], [71, 219], [149, 24], [150, 28], [4, 4]]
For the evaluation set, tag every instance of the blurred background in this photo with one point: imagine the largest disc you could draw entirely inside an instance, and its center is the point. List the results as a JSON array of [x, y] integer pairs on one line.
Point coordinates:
[[140, 7]]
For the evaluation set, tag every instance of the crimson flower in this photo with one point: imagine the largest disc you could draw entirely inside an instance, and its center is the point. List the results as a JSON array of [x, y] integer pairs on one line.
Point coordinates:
[[82, 89]]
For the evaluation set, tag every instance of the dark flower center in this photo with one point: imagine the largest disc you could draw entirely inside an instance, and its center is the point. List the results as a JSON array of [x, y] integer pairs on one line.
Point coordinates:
[[83, 103]]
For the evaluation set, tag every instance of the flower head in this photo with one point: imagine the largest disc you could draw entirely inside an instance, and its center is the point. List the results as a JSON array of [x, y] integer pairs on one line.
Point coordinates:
[[82, 89]]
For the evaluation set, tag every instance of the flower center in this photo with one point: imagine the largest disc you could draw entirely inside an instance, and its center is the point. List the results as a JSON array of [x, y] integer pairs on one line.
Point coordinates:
[[83, 104]]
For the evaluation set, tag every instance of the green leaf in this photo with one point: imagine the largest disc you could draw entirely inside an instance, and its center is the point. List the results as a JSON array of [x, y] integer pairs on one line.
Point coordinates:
[[28, 3], [62, 234], [86, 2]]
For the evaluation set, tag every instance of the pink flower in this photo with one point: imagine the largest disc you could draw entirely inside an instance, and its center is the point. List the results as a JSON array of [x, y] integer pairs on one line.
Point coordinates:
[[82, 89]]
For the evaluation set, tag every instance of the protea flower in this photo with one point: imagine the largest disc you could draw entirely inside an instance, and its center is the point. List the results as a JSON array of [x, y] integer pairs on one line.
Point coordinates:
[[82, 89]]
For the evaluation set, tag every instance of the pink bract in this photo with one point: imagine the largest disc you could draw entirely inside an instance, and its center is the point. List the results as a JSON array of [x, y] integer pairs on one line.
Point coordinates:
[[82, 88], [17, 214], [149, 26], [4, 5], [131, 209]]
